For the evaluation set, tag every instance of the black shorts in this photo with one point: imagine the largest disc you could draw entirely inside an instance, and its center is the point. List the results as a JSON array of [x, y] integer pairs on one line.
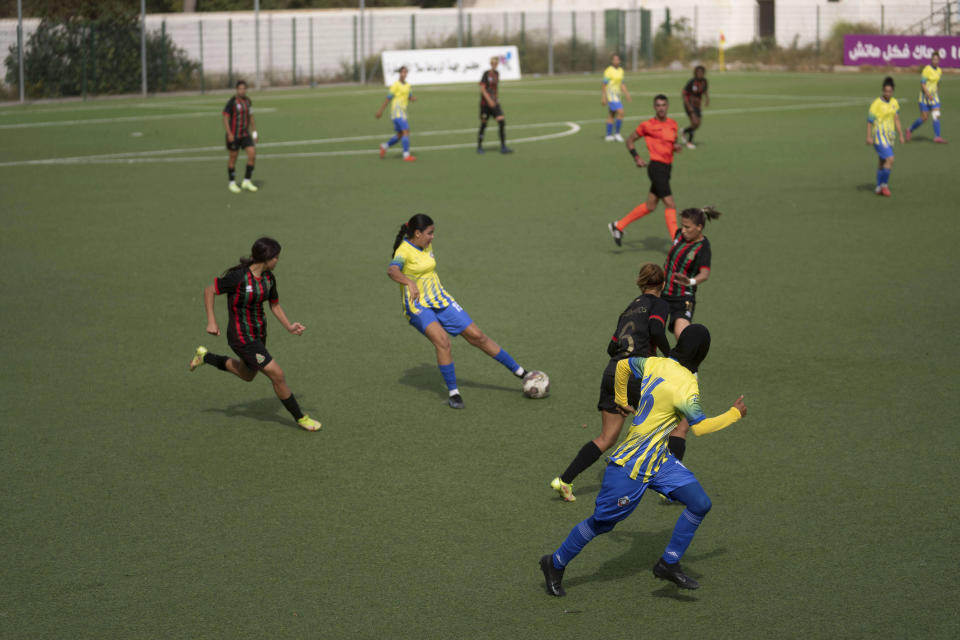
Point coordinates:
[[659, 173], [679, 308], [486, 111], [241, 142], [693, 111], [608, 401], [253, 354]]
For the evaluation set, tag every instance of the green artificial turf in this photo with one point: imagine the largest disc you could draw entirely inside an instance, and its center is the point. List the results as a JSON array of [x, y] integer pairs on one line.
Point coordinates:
[[141, 501]]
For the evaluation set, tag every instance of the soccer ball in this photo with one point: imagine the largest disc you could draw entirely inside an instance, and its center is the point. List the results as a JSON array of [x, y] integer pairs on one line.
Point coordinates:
[[536, 384]]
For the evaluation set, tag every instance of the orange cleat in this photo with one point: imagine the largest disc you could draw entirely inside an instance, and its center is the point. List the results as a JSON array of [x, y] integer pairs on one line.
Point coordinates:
[[410, 159], [939, 140], [885, 191], [383, 151], [908, 135]]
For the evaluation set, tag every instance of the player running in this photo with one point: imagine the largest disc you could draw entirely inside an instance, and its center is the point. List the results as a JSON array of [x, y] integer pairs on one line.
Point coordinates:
[[610, 93], [247, 286], [430, 309], [687, 267], [930, 98], [882, 120], [490, 105], [640, 332], [669, 391], [241, 134], [695, 93], [660, 134], [398, 97]]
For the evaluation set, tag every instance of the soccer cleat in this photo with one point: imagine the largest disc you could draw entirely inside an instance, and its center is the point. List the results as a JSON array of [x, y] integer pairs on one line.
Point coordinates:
[[506, 149], [233, 187], [939, 140], [455, 401], [617, 137], [249, 186], [410, 159], [552, 576], [616, 233], [877, 190], [308, 423], [198, 358], [565, 490], [690, 145], [908, 135], [608, 138], [480, 150], [885, 191], [383, 151], [674, 574]]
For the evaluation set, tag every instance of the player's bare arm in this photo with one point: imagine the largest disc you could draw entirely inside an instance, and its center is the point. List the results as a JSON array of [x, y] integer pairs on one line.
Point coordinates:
[[896, 121], [603, 93], [382, 107], [253, 128], [626, 93], [293, 327], [632, 148], [226, 126], [869, 133], [209, 294], [397, 276], [706, 98], [486, 96], [702, 276]]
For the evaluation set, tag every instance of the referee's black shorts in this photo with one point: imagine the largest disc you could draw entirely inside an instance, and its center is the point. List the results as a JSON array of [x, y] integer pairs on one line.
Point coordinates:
[[659, 173]]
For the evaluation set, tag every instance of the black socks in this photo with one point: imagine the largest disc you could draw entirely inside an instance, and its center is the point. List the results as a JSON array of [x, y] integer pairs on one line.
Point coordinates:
[[589, 453]]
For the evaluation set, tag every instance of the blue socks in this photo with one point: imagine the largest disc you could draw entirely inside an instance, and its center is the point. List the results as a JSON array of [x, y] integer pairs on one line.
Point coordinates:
[[392, 141], [619, 123], [698, 504], [406, 146], [449, 376], [916, 123], [936, 128], [609, 128], [579, 536], [504, 358], [883, 177]]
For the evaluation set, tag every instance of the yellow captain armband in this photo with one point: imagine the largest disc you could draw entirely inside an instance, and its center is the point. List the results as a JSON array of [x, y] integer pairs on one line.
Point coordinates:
[[716, 423]]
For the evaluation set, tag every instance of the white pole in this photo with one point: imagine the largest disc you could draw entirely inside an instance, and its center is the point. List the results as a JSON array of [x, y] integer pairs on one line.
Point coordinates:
[[20, 44], [550, 37], [363, 51], [459, 23], [143, 47], [256, 38], [635, 36]]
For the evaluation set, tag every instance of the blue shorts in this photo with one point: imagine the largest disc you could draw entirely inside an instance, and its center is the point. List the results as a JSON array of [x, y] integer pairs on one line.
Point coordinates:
[[400, 124], [619, 494], [929, 107], [453, 319], [614, 105], [884, 151]]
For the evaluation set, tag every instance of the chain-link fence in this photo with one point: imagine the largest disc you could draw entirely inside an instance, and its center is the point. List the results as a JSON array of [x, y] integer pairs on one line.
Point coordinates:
[[203, 51]]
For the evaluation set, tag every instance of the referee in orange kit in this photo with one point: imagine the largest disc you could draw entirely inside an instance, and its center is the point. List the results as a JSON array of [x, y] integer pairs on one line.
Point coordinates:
[[660, 134]]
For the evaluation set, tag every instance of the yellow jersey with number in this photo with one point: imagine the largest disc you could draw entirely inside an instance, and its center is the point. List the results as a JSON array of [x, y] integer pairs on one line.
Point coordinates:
[[930, 78], [883, 116], [420, 265], [613, 82], [399, 98]]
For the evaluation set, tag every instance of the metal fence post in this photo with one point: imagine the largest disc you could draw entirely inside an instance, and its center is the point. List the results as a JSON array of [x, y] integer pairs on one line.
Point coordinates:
[[882, 10], [356, 69], [469, 29], [143, 47], [230, 51], [163, 56], [573, 40], [313, 81], [256, 40], [203, 81], [363, 51], [818, 34], [505, 27], [696, 27], [523, 32], [413, 31], [550, 37], [20, 47], [270, 47], [293, 47], [459, 23], [84, 61], [634, 37], [593, 40]]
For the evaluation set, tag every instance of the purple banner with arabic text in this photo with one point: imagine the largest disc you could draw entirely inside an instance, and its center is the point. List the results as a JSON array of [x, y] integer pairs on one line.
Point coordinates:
[[900, 51]]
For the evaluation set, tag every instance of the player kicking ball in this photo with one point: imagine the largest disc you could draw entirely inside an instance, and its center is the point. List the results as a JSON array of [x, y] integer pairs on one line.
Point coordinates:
[[241, 134]]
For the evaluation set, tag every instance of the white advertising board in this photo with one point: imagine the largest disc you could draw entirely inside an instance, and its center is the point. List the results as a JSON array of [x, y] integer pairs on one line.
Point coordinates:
[[446, 66]]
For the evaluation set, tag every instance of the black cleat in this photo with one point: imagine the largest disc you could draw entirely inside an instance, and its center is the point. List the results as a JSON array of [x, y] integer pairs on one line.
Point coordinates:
[[455, 401], [553, 577], [506, 149], [480, 150], [674, 574], [616, 233]]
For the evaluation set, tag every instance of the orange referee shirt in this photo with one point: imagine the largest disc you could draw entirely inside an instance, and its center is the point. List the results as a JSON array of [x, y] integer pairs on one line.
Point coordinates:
[[660, 138]]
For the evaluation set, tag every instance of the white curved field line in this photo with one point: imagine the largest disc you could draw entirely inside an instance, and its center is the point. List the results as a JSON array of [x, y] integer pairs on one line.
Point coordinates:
[[154, 156]]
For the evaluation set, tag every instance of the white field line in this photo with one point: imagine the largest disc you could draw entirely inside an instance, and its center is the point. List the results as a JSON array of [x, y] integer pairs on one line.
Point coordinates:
[[154, 156], [150, 157], [167, 116]]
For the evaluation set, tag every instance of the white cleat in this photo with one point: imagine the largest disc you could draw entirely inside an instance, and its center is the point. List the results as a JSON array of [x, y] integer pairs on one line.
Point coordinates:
[[249, 186], [690, 145], [618, 137], [609, 138]]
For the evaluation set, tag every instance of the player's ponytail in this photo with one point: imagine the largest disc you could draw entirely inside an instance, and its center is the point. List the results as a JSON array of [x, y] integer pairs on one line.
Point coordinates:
[[699, 216], [263, 250], [419, 222], [651, 276]]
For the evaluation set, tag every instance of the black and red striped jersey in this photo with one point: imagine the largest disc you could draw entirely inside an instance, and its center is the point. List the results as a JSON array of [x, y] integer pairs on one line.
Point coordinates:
[[239, 110], [246, 294], [686, 258], [695, 88], [491, 82], [640, 329]]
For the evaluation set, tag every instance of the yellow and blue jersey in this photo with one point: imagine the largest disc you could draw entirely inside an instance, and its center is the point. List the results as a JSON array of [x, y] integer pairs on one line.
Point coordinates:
[[613, 79], [399, 98], [668, 393], [883, 116], [930, 78], [421, 266]]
